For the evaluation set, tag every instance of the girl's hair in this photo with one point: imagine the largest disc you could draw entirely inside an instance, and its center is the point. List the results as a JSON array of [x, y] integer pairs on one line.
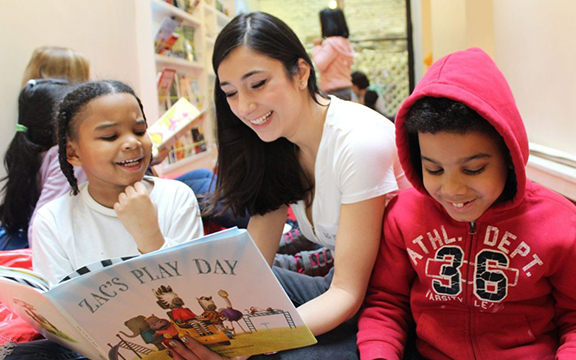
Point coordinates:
[[256, 176], [57, 62], [333, 23], [68, 122], [36, 105]]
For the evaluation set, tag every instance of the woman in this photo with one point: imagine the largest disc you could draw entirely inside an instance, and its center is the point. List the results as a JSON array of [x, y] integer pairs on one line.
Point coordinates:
[[282, 142]]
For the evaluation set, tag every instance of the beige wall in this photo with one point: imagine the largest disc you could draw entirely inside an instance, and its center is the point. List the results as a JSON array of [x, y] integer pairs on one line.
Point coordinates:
[[536, 51], [532, 41], [102, 30]]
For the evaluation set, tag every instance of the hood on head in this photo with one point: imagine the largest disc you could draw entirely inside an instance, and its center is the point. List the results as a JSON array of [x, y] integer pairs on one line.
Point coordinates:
[[472, 78]]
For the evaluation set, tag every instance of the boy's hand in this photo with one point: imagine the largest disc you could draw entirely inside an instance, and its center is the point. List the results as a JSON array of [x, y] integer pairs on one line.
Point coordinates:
[[139, 216]]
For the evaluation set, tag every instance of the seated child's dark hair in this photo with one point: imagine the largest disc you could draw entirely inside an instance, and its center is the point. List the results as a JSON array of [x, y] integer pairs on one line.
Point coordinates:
[[360, 79], [72, 104], [432, 115], [36, 104], [370, 99]]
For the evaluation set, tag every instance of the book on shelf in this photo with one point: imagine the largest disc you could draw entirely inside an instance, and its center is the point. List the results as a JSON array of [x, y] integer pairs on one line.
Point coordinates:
[[184, 46], [165, 37], [218, 290], [191, 143], [174, 122], [164, 85]]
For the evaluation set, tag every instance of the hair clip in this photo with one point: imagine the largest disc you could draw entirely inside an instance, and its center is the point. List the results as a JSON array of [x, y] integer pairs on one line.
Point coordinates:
[[21, 128]]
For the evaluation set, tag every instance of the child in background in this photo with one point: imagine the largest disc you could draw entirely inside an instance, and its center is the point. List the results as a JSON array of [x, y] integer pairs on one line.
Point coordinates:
[[481, 256], [24, 158], [60, 63], [334, 55], [118, 212], [363, 93], [57, 62]]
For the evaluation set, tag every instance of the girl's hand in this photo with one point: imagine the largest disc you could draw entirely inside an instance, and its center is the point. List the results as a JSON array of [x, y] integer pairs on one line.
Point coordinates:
[[139, 216], [190, 349]]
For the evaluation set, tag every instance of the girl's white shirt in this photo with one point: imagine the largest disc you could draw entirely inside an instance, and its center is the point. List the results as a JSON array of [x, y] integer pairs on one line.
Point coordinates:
[[74, 231]]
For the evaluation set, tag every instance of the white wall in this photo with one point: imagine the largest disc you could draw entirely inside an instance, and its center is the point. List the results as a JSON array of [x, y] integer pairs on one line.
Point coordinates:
[[536, 51], [102, 30]]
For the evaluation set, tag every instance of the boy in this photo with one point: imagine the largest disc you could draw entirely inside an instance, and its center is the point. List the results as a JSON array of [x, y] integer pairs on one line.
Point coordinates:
[[482, 259]]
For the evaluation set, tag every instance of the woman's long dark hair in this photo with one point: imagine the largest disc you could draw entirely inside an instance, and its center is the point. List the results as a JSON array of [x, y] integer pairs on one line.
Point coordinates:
[[23, 158], [253, 175], [74, 102]]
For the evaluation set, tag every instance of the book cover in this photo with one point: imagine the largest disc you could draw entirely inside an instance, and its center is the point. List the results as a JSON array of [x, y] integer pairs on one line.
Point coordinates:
[[218, 289], [173, 121]]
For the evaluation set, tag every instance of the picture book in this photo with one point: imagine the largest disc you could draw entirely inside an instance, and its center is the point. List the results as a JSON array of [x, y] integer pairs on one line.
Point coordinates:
[[172, 123], [218, 290]]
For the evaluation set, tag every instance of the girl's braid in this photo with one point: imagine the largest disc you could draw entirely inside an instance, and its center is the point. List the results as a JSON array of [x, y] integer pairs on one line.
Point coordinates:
[[65, 166]]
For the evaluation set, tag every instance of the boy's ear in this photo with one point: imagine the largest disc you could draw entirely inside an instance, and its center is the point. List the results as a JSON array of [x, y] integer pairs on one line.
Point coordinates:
[[72, 154], [303, 74]]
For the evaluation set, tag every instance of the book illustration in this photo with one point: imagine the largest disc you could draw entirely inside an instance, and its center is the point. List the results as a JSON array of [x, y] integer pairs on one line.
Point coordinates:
[[42, 321], [218, 290], [176, 119]]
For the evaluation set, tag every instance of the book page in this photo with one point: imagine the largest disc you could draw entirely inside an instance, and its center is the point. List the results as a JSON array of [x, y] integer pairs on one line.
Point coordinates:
[[218, 290], [34, 308]]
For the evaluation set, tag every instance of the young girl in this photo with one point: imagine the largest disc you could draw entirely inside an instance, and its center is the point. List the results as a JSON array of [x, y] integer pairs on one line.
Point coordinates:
[[24, 158], [281, 142], [333, 55], [118, 211]]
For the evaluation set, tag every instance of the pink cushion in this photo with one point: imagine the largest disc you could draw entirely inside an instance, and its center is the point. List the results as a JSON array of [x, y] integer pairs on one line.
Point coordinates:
[[12, 327]]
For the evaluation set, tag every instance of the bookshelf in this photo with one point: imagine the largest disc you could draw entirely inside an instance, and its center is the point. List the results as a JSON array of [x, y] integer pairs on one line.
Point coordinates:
[[205, 22]]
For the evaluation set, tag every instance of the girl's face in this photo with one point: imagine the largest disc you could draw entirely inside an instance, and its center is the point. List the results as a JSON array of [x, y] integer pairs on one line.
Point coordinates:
[[262, 94], [111, 145]]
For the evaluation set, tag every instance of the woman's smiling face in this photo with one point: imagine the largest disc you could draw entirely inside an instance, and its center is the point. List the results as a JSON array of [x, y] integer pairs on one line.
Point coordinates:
[[261, 93]]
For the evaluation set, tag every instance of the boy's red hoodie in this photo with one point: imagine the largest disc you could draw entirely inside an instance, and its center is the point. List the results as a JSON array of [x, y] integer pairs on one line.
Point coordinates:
[[503, 287]]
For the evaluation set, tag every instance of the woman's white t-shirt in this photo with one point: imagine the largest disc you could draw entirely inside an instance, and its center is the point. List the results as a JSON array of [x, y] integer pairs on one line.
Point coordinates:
[[356, 161]]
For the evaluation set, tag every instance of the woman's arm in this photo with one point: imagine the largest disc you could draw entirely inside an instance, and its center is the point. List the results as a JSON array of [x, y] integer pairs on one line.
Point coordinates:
[[266, 230], [357, 242]]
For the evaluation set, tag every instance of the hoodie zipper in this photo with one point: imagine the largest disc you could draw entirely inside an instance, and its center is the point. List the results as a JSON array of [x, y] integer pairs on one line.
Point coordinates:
[[471, 231]]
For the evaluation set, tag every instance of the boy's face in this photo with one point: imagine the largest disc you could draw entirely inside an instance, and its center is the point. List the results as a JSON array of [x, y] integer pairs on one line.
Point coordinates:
[[465, 173]]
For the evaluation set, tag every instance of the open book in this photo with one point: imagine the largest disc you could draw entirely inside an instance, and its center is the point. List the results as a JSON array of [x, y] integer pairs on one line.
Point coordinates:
[[217, 289], [176, 121]]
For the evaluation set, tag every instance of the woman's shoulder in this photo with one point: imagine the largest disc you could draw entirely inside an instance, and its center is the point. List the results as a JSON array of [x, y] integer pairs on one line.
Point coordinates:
[[353, 119]]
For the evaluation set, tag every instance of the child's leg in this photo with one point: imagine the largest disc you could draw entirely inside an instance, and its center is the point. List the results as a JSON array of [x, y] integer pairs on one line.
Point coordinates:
[[203, 183], [13, 241], [38, 349], [313, 263]]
